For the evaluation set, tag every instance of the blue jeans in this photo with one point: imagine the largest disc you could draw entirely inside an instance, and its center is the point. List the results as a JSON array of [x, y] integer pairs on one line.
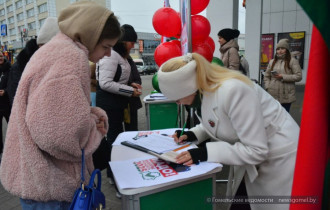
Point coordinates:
[[93, 98], [28, 204]]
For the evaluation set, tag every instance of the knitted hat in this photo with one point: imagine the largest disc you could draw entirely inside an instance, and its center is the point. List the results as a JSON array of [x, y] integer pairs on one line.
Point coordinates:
[[229, 34], [129, 33], [283, 43], [179, 83], [48, 30]]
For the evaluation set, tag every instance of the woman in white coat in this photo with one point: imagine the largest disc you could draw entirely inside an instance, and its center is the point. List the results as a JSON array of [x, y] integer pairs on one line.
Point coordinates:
[[250, 130]]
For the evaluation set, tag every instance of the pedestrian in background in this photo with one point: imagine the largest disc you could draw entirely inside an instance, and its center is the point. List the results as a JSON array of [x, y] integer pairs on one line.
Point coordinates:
[[229, 48], [52, 120], [17, 68], [113, 90], [4, 99], [249, 129], [134, 103], [47, 31], [281, 75]]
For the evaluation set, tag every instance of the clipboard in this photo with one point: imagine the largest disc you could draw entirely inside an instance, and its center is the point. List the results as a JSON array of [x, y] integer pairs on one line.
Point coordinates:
[[167, 156]]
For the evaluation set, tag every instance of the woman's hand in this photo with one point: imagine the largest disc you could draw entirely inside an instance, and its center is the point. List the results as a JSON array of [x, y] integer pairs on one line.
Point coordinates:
[[2, 92], [137, 92], [179, 139], [101, 126], [184, 158], [136, 85], [186, 136], [278, 76]]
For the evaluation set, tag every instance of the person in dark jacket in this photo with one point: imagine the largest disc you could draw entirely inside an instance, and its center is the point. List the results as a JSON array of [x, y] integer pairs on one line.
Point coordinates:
[[4, 100], [113, 90], [17, 69], [47, 31], [134, 102]]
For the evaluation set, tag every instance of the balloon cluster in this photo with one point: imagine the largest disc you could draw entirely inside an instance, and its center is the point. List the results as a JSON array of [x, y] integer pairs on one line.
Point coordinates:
[[167, 22], [202, 43]]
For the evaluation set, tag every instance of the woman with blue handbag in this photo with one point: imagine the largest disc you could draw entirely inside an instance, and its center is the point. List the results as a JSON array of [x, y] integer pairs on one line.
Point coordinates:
[[52, 120]]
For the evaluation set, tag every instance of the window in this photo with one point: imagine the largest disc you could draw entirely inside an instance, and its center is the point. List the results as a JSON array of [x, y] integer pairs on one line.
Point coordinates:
[[20, 28], [10, 8], [42, 8], [30, 13], [3, 22], [29, 1], [19, 4], [20, 16], [12, 31], [2, 12], [32, 25], [11, 20], [149, 46], [41, 22]]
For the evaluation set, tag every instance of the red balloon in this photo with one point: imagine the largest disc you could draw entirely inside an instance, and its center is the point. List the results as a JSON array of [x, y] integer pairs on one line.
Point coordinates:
[[166, 51], [204, 50], [200, 28], [167, 22], [177, 42], [211, 43], [198, 5]]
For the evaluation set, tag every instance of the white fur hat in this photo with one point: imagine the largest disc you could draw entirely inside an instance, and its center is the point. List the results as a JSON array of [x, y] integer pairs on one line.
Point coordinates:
[[48, 30], [179, 83]]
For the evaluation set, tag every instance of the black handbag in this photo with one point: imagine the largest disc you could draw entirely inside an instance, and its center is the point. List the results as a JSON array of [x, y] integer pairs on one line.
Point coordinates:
[[88, 197]]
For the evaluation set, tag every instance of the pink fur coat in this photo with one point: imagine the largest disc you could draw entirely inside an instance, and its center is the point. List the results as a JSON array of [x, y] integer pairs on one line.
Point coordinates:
[[51, 121]]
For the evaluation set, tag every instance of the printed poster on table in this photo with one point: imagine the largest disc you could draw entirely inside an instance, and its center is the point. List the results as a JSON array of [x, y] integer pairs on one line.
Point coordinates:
[[267, 50], [144, 172], [296, 44]]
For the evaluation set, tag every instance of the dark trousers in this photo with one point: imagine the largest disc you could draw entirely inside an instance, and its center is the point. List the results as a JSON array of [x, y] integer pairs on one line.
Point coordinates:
[[3, 114], [286, 106], [115, 120], [241, 192], [133, 125]]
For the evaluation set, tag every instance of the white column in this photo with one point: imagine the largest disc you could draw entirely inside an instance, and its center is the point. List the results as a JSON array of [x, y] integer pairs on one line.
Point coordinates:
[[253, 36], [221, 14]]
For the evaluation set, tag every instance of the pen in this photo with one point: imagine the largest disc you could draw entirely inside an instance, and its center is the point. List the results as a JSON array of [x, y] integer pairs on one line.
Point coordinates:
[[180, 148], [184, 126]]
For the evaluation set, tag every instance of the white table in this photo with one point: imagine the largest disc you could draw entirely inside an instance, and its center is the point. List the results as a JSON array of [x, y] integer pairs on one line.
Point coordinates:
[[161, 196]]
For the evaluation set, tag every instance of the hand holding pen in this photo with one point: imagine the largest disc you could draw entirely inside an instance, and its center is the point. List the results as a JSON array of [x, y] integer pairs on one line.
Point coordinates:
[[182, 137]]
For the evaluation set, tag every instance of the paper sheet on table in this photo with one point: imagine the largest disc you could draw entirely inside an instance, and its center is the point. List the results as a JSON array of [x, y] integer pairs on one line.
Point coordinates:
[[157, 143], [158, 96], [131, 135], [144, 172]]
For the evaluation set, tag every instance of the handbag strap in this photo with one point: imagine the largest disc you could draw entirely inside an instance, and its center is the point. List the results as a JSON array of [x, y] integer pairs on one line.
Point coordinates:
[[82, 165], [96, 172]]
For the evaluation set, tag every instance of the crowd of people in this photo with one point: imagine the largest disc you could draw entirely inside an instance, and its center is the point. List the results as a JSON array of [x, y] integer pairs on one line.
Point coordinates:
[[59, 103]]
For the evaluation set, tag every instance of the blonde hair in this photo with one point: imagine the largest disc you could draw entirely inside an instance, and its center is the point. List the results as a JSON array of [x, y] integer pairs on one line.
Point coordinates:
[[209, 76]]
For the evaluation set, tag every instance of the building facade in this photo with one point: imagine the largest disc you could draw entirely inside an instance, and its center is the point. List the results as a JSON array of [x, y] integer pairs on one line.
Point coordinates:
[[21, 20]]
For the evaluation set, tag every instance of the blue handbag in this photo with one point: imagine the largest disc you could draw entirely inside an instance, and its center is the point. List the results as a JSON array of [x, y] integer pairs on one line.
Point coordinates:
[[88, 197]]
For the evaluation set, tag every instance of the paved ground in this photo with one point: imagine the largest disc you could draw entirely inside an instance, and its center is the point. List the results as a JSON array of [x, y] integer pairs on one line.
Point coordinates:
[[10, 202]]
